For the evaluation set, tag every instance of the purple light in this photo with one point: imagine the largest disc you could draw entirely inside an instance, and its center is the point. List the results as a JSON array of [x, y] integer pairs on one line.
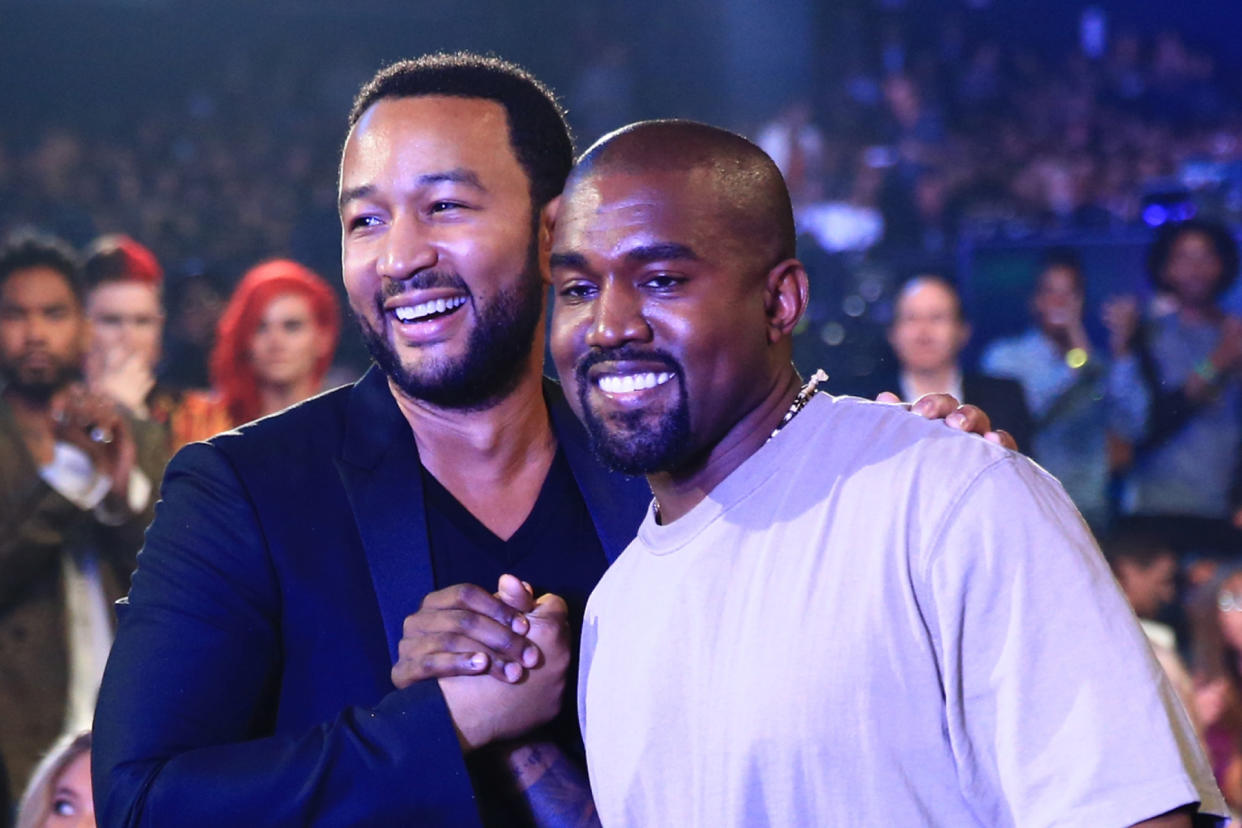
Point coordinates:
[[1155, 215]]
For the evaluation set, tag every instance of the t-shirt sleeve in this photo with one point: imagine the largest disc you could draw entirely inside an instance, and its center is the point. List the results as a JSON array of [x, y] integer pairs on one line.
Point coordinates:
[[1056, 709]]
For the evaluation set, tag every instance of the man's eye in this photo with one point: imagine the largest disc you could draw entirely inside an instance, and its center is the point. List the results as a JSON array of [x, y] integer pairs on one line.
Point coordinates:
[[577, 290], [662, 281], [363, 221], [444, 206]]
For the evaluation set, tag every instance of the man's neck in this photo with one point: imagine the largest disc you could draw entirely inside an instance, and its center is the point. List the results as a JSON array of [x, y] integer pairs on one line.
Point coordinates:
[[493, 461], [679, 491], [944, 379]]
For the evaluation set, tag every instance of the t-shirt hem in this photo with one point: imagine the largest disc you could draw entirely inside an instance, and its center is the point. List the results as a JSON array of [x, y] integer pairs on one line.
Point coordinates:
[[1138, 802]]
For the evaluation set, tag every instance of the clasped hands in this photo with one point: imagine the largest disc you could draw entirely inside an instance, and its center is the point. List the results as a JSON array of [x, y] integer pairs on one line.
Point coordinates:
[[500, 658]]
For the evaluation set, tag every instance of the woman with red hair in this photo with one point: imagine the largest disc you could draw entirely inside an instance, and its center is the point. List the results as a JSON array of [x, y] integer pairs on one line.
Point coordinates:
[[274, 343]]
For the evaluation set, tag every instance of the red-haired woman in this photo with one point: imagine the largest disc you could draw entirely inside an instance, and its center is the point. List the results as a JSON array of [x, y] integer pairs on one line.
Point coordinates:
[[274, 344]]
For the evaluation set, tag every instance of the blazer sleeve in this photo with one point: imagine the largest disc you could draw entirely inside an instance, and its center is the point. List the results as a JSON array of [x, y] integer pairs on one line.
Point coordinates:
[[195, 667]]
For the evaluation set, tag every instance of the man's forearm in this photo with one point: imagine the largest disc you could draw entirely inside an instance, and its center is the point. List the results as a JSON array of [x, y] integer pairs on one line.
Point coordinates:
[[550, 786]]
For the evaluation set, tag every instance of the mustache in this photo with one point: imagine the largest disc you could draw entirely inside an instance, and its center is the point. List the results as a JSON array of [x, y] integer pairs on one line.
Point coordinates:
[[625, 353], [424, 280]]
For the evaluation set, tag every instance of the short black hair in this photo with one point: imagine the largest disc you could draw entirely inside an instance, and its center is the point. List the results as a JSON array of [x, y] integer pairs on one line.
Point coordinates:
[[538, 131], [1066, 258], [27, 250], [1218, 236]]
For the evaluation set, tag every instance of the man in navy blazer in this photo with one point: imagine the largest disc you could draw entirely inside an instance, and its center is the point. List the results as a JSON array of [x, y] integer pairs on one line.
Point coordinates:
[[302, 643], [252, 680]]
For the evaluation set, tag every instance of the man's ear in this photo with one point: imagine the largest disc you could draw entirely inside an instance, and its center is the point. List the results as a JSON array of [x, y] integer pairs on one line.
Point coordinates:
[[786, 292], [547, 223]]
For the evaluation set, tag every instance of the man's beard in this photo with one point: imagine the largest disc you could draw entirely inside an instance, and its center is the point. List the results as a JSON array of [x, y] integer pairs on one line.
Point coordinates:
[[623, 441], [37, 386], [496, 352]]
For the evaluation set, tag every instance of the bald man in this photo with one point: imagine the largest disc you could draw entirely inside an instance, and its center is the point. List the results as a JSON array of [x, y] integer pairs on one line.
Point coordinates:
[[834, 612]]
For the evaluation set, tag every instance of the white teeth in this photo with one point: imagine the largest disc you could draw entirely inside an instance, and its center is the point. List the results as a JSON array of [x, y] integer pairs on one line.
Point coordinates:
[[626, 383], [410, 313]]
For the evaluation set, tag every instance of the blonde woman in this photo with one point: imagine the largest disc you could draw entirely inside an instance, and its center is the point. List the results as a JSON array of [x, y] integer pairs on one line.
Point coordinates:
[[59, 792]]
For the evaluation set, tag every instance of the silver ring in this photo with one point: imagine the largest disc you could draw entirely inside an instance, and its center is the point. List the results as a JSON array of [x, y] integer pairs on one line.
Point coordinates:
[[98, 434]]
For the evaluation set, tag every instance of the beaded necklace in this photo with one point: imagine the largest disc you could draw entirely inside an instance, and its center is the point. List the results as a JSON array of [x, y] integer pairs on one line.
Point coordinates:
[[800, 401]]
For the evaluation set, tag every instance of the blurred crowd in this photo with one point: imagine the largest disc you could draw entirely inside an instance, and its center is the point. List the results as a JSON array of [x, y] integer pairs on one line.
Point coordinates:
[[115, 352], [923, 139]]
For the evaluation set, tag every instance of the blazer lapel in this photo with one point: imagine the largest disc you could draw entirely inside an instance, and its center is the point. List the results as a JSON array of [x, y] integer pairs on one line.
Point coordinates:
[[380, 471]]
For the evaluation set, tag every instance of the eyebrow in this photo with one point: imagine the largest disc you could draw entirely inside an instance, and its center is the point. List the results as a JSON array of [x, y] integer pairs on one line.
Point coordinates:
[[662, 252], [572, 260], [458, 175]]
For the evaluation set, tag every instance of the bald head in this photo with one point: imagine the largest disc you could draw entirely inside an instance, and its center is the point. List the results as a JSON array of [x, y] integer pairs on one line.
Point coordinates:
[[751, 198]]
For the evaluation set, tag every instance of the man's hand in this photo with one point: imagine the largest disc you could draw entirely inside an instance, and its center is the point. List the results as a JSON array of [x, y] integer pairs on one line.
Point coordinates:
[[461, 631], [485, 710], [121, 375], [94, 424], [968, 418]]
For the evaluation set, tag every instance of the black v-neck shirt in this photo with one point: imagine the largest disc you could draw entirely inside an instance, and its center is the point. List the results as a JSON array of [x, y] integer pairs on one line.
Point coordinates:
[[557, 550]]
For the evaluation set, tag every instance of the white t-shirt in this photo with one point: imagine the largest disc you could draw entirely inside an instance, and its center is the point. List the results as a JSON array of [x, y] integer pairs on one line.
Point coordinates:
[[876, 620]]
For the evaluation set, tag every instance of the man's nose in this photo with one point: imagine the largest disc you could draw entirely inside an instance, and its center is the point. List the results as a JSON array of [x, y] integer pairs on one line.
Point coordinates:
[[36, 330], [618, 317], [408, 249]]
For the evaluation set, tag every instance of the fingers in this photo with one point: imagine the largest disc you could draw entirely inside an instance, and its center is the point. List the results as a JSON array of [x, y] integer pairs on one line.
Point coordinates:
[[970, 418], [516, 593], [887, 397], [89, 421], [549, 628], [550, 607], [464, 630], [935, 406], [437, 665], [1002, 438], [477, 600]]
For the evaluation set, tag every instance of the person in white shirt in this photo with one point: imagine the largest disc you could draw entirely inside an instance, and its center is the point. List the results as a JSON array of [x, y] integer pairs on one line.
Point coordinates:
[[73, 503], [834, 613]]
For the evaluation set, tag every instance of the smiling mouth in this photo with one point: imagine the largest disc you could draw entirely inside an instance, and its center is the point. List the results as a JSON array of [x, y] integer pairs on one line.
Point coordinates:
[[629, 383], [431, 309]]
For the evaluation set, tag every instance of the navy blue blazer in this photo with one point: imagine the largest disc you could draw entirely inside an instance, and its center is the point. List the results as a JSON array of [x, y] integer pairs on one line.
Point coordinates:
[[249, 682]]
